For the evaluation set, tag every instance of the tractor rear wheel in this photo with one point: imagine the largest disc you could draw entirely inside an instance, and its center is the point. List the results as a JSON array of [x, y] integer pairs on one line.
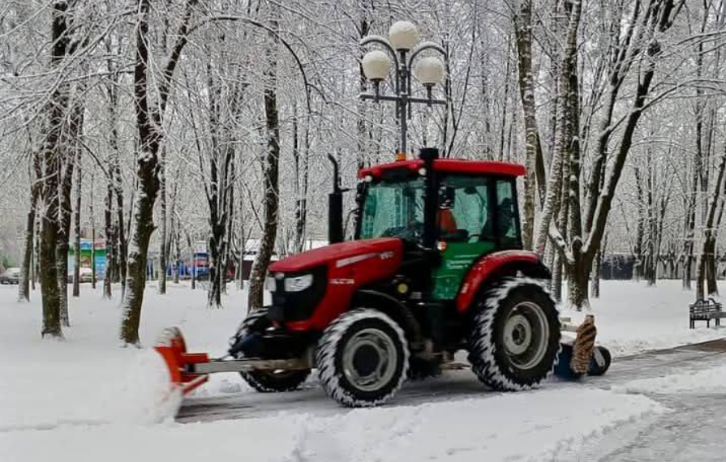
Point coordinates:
[[515, 336], [268, 381], [362, 358]]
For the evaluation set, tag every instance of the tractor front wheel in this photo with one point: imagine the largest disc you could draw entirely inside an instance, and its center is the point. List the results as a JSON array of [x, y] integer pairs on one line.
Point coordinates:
[[268, 381], [362, 358], [515, 336]]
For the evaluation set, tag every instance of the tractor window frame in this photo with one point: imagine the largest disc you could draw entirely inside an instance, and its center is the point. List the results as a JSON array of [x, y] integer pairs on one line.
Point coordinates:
[[364, 190], [487, 181], [494, 196]]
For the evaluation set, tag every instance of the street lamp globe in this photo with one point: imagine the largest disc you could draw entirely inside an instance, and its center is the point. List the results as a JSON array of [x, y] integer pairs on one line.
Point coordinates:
[[403, 35], [429, 71], [375, 65]]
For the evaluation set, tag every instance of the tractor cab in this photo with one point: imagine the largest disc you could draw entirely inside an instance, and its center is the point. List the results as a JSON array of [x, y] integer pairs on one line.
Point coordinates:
[[462, 210]]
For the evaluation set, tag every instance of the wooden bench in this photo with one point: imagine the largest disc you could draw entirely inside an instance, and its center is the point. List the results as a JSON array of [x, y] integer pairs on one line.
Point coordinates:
[[706, 310]]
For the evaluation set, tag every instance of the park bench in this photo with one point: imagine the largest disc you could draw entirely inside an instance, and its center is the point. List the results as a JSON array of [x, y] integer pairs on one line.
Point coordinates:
[[706, 310]]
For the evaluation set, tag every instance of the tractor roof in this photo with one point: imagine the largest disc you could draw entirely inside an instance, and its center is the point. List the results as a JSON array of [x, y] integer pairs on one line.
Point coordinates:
[[473, 167]]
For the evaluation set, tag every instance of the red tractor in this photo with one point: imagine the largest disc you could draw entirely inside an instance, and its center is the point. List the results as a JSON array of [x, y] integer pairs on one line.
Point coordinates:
[[436, 266]]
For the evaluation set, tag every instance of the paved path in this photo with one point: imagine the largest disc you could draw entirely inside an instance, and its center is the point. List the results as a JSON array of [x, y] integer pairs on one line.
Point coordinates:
[[452, 386], [695, 430]]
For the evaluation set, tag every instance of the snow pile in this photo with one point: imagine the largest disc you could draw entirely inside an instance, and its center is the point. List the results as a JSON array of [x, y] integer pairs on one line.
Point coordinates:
[[146, 394], [708, 381], [85, 378], [517, 427]]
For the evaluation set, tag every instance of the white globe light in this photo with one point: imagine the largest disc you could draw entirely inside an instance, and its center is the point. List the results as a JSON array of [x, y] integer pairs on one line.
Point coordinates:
[[375, 65], [429, 71], [403, 35]]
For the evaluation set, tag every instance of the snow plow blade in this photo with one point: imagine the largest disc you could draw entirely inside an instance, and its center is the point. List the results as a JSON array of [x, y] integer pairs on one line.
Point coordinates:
[[190, 370], [172, 347]]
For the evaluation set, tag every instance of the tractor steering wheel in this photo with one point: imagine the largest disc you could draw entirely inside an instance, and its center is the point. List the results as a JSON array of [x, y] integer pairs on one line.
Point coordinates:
[[412, 233]]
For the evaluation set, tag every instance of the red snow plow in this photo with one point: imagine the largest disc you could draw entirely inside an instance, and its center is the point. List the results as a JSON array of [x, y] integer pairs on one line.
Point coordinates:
[[190, 370], [436, 266]]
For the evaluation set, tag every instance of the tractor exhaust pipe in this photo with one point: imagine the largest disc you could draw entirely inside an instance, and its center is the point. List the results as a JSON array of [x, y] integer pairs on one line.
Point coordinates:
[[335, 206]]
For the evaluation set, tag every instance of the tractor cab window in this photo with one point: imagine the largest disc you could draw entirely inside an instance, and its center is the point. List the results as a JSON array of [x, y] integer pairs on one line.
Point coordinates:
[[464, 212], [507, 219], [394, 208]]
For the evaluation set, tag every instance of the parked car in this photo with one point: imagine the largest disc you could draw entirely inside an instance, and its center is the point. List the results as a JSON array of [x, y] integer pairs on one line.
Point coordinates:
[[10, 276]]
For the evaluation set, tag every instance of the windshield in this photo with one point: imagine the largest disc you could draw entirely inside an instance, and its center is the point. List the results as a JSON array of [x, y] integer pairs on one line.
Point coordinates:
[[394, 209]]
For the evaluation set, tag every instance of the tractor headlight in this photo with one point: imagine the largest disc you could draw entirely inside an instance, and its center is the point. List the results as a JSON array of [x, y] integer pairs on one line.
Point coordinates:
[[298, 283]]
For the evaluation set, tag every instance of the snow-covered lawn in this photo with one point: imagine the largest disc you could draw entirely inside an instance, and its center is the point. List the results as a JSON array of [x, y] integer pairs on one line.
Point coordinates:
[[86, 398], [632, 318]]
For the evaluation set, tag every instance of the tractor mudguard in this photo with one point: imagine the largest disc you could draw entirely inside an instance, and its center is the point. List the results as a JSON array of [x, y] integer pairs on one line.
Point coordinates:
[[496, 265], [398, 311]]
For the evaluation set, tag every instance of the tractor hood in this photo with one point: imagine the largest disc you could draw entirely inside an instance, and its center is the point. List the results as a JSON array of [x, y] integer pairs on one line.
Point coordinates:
[[341, 255]]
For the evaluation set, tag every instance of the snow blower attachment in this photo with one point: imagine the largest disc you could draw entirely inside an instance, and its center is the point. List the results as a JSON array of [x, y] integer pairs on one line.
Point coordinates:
[[579, 356], [172, 347]]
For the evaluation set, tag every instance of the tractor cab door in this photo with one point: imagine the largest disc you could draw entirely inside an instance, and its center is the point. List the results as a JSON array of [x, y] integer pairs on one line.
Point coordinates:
[[476, 216]]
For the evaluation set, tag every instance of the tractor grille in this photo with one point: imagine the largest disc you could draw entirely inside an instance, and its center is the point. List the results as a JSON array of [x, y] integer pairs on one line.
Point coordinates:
[[298, 306]]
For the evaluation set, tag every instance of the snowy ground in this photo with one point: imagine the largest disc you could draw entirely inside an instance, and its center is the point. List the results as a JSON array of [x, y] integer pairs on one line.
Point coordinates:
[[88, 399]]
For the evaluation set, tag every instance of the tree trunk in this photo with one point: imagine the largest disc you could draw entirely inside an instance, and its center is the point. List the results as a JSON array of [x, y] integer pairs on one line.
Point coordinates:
[[36, 250], [559, 154], [148, 122], [93, 252], [28, 247], [71, 154], [110, 240], [242, 245], [77, 229], [708, 249], [163, 249], [58, 108], [557, 276], [639, 230], [24, 286], [177, 247], [595, 286], [120, 241], [148, 185], [523, 31], [194, 263], [92, 217], [269, 231]]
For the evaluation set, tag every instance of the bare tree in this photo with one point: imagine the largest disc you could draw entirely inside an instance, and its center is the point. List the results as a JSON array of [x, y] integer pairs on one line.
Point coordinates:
[[271, 172], [58, 108], [523, 25], [36, 184], [148, 122]]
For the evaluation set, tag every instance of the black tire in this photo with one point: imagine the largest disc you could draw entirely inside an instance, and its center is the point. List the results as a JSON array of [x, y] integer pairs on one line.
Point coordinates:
[[354, 351], [600, 362], [515, 336], [268, 381]]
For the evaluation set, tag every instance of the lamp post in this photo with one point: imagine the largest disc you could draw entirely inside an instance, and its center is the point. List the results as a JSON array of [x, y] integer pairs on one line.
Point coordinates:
[[401, 45]]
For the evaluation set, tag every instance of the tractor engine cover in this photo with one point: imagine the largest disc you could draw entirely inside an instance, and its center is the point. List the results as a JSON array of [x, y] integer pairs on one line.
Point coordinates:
[[311, 289]]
